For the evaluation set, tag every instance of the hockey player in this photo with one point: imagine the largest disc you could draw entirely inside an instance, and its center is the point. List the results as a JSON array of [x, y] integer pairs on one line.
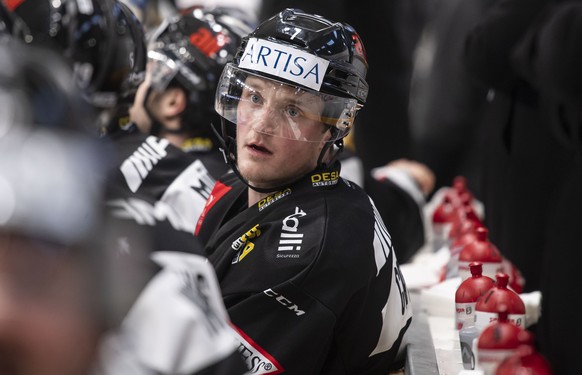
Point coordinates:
[[54, 304], [156, 184], [187, 53], [173, 161], [306, 266], [175, 321]]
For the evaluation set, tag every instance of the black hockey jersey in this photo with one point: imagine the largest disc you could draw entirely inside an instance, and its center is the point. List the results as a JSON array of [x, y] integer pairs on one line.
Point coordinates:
[[158, 185], [308, 275], [176, 322], [177, 325]]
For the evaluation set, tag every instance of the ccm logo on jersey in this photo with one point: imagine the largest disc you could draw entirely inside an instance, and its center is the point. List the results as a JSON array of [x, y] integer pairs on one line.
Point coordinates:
[[290, 238], [284, 301], [284, 61], [325, 179]]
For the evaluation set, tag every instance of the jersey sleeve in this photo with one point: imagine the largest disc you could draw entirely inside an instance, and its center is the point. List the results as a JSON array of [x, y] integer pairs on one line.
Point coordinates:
[[178, 325], [373, 305]]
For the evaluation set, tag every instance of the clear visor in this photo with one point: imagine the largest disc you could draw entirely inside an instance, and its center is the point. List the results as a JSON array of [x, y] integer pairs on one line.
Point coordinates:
[[162, 70], [282, 110]]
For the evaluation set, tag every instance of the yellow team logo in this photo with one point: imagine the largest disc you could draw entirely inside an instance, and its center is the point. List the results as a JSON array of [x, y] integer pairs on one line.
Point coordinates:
[[266, 202], [325, 178], [244, 241], [197, 144]]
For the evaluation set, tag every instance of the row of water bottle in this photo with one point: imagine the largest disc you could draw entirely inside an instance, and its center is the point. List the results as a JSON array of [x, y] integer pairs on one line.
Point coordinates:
[[489, 313]]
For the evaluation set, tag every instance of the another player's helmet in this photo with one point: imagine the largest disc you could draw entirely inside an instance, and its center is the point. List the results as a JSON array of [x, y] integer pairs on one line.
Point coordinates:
[[39, 178], [102, 39], [307, 53], [52, 174], [189, 50], [38, 89], [127, 69]]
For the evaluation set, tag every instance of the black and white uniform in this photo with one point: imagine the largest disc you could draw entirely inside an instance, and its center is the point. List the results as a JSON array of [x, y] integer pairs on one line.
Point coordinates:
[[177, 323], [158, 185], [309, 276]]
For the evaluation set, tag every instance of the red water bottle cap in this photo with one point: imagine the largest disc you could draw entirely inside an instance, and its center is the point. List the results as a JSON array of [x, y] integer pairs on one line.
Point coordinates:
[[464, 239], [463, 221], [498, 296], [501, 334], [466, 198], [475, 286], [460, 184], [444, 211], [481, 250], [525, 360]]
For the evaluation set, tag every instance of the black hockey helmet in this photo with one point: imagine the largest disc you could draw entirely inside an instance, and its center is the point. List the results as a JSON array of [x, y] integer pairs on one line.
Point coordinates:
[[38, 89], [127, 70], [317, 65], [102, 39], [336, 42], [190, 50], [52, 176], [41, 108], [306, 51]]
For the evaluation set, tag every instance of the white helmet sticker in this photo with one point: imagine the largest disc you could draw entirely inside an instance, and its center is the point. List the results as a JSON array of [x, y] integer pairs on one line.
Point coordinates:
[[286, 62]]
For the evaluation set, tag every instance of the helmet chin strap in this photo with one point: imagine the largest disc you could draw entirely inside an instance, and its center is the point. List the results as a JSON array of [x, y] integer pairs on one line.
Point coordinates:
[[228, 149], [336, 147]]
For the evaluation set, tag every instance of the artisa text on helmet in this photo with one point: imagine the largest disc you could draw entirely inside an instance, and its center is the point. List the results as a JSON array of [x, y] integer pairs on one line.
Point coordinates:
[[285, 62]]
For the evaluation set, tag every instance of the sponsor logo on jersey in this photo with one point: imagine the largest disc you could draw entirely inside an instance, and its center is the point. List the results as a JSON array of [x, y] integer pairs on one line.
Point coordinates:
[[266, 202], [137, 167], [145, 213], [285, 62], [181, 204], [197, 177], [218, 192], [244, 241], [325, 178], [257, 359], [197, 144], [197, 289], [284, 301], [291, 239]]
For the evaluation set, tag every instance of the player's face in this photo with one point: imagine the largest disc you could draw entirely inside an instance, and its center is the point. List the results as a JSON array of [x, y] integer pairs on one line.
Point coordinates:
[[46, 323], [279, 133]]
